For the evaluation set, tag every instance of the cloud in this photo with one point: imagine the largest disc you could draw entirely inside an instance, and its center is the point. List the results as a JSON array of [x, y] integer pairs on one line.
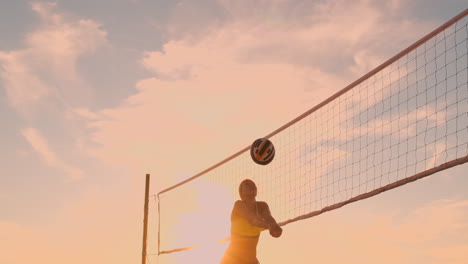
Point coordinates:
[[84, 113], [22, 87], [336, 36], [48, 156], [46, 68], [42, 79], [218, 90]]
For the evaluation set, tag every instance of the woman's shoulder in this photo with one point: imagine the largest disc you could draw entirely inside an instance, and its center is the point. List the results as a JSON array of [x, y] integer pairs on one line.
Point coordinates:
[[239, 204], [262, 204]]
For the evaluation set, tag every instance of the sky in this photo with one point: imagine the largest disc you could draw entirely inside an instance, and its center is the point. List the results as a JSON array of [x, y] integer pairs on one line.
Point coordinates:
[[95, 94]]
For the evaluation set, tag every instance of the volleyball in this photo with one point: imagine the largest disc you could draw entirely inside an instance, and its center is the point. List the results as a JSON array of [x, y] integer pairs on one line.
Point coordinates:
[[262, 151]]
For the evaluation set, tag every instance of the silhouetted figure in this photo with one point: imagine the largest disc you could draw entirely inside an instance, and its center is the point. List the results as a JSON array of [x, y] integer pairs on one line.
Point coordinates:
[[248, 219]]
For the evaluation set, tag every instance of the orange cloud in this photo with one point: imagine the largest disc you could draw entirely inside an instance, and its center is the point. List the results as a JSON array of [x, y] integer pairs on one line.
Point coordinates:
[[212, 87]]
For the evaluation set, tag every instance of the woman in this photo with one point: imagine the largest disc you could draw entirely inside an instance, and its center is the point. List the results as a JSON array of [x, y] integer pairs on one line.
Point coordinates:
[[248, 219]]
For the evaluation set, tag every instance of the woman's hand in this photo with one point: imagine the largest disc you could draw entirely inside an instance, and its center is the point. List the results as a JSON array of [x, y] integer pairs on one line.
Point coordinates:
[[276, 231]]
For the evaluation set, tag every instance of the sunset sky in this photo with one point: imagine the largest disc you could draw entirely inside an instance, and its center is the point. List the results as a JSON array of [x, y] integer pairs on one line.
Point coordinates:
[[95, 94]]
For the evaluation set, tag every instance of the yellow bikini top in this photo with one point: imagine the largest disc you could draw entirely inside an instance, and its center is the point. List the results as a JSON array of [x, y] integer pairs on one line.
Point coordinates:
[[240, 226]]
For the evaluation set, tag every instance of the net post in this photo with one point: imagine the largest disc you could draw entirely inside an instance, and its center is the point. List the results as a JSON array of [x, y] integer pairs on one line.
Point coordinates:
[[145, 221], [159, 226]]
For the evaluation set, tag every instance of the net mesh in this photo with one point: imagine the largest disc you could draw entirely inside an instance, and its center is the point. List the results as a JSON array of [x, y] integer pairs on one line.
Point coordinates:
[[407, 118]]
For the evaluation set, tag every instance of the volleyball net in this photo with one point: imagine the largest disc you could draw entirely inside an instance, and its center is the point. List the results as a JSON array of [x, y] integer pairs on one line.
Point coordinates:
[[403, 121]]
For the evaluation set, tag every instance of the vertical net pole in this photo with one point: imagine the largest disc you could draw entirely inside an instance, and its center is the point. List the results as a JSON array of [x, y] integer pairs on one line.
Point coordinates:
[[159, 226], [145, 221]]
